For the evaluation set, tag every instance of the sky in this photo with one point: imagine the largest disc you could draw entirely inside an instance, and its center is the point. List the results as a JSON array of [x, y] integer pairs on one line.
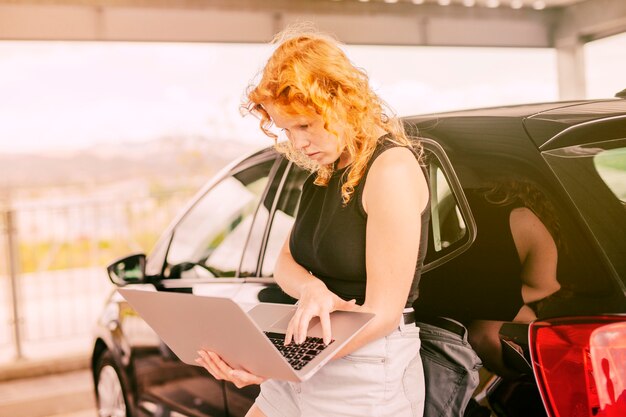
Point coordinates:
[[60, 96]]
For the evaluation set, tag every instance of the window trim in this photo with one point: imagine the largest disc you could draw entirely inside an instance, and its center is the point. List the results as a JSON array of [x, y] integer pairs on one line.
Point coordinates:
[[270, 179], [270, 218], [437, 150], [276, 170]]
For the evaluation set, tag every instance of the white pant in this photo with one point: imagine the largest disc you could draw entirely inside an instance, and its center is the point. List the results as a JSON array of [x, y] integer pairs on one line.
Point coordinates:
[[383, 378]]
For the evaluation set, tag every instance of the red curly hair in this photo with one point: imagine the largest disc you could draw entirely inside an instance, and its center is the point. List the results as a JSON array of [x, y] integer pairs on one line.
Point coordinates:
[[309, 73]]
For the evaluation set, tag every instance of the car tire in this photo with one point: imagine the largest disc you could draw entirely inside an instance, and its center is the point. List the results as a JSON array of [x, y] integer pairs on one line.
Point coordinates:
[[111, 392]]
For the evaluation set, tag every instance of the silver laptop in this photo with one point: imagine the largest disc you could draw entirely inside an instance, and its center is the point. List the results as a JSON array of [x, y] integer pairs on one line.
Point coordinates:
[[251, 340]]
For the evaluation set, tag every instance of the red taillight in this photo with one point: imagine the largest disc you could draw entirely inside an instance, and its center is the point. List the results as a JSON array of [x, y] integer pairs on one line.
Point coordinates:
[[608, 359], [563, 365]]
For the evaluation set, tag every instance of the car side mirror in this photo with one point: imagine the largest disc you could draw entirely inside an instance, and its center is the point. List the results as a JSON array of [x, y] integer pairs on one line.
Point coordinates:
[[128, 270]]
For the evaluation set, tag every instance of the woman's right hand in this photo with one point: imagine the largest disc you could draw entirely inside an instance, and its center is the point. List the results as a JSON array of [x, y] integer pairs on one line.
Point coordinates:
[[316, 300], [220, 370]]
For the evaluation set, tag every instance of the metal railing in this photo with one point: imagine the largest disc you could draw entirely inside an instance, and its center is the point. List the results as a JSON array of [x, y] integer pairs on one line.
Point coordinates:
[[53, 281]]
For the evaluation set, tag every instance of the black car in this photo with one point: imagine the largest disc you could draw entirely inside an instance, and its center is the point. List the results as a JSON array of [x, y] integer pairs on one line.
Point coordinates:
[[571, 361]]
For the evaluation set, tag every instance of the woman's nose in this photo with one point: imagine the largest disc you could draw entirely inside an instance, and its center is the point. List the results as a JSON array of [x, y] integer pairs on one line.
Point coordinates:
[[299, 141]]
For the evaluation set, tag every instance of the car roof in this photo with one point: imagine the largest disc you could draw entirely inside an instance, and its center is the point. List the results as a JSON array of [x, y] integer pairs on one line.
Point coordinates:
[[542, 121]]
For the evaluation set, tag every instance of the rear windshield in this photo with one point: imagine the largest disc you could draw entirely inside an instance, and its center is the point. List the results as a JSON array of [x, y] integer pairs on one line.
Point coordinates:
[[594, 176]]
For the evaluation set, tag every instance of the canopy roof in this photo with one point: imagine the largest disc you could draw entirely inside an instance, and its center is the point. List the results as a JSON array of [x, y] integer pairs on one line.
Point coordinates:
[[562, 24], [515, 23]]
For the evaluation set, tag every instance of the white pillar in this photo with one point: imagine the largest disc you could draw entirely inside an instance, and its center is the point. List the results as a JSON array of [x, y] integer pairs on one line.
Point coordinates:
[[570, 55]]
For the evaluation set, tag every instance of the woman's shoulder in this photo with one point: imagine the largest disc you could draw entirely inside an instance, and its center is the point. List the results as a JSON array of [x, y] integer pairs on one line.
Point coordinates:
[[398, 168], [392, 151], [396, 157], [387, 142]]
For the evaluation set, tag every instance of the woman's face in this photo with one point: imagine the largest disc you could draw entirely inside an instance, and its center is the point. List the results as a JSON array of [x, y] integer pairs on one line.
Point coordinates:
[[307, 134]]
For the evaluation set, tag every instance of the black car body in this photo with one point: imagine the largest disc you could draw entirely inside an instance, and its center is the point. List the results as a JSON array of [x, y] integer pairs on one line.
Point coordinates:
[[226, 241]]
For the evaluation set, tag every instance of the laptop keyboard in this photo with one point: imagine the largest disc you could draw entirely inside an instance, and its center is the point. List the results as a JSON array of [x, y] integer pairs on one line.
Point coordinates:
[[297, 355]]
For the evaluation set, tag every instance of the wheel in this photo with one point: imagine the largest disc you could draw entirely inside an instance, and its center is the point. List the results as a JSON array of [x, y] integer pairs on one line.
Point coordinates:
[[112, 401]]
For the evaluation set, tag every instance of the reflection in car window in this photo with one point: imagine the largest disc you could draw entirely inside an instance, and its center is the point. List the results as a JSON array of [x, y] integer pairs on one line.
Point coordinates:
[[210, 239], [283, 218], [611, 165]]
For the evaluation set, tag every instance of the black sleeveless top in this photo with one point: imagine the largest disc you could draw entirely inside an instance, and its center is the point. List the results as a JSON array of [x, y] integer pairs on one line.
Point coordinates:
[[328, 239], [483, 283]]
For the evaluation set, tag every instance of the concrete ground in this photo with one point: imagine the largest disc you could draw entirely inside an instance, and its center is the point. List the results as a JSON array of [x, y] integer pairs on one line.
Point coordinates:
[[67, 394]]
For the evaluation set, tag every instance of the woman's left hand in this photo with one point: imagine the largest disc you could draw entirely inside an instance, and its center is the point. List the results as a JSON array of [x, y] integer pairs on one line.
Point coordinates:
[[316, 300], [213, 363]]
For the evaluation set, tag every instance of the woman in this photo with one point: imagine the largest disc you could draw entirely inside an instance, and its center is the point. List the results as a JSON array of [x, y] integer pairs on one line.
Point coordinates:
[[356, 240]]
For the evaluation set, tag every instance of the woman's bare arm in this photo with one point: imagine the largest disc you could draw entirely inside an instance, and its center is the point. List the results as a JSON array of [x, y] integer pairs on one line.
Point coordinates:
[[538, 254], [394, 197]]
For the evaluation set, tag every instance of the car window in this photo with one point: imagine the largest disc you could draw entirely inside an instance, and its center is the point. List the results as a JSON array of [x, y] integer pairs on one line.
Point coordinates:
[[209, 240], [252, 253], [450, 226], [594, 176], [283, 217]]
